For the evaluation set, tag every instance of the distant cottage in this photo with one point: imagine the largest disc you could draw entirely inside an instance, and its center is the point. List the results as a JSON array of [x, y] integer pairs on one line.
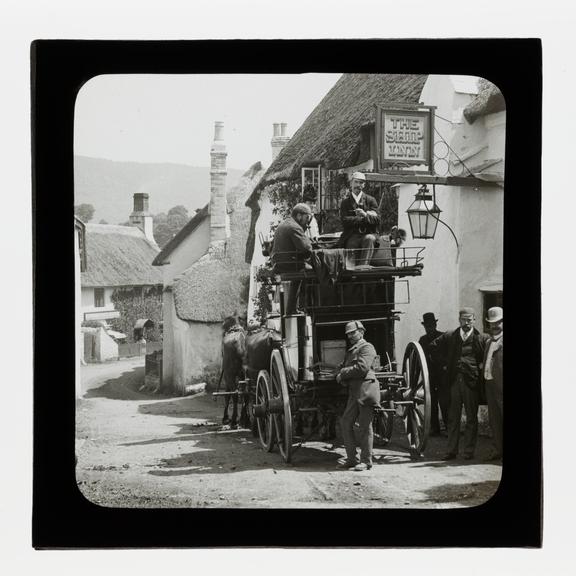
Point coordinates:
[[119, 275]]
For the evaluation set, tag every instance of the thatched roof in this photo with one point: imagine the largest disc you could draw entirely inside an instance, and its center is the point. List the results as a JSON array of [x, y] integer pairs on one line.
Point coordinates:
[[216, 285], [119, 256], [488, 101], [331, 133], [182, 234]]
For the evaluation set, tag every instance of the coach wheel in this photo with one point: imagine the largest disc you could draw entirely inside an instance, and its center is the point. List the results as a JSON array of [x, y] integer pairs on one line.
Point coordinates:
[[262, 414], [417, 414], [280, 406]]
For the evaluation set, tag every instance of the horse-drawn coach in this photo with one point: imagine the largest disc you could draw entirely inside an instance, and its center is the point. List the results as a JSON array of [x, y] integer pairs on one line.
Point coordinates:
[[289, 392]]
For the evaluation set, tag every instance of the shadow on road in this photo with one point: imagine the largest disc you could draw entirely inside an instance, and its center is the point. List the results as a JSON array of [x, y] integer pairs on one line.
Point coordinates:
[[472, 494], [124, 387]]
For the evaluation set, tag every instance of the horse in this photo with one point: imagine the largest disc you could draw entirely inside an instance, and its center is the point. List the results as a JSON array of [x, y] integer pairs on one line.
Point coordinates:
[[233, 360]]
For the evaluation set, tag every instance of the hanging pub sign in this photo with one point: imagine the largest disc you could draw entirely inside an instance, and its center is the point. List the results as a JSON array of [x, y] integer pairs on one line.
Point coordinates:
[[404, 138]]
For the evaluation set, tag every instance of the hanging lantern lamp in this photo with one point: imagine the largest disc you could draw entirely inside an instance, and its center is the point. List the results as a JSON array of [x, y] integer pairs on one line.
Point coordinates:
[[423, 214]]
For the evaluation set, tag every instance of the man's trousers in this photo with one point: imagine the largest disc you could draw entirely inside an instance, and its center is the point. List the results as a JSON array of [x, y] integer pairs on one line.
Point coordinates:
[[364, 415], [462, 395]]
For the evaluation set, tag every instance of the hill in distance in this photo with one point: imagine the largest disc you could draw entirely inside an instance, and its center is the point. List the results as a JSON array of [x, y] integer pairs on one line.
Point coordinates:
[[110, 186]]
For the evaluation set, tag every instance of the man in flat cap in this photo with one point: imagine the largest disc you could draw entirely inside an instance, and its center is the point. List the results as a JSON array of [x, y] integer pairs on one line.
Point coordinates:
[[493, 360], [363, 395], [438, 393], [461, 352], [360, 220], [291, 248]]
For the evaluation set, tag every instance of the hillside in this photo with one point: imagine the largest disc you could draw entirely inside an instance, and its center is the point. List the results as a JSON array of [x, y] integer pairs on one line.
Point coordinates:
[[109, 186]]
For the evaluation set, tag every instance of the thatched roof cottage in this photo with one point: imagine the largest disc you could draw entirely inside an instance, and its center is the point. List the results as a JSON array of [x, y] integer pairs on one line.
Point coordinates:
[[119, 258], [205, 276]]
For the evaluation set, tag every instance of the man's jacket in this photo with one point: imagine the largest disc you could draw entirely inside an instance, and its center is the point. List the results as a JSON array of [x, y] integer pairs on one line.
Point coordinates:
[[357, 373], [291, 246], [351, 223], [446, 351], [496, 360]]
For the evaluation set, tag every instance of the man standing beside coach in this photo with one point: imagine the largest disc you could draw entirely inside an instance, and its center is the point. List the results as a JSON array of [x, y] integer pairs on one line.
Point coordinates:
[[461, 352], [439, 394], [493, 378]]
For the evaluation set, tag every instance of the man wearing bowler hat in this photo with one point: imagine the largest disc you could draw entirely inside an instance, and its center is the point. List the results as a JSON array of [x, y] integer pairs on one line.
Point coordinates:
[[363, 395], [493, 378], [439, 394], [360, 220], [461, 352]]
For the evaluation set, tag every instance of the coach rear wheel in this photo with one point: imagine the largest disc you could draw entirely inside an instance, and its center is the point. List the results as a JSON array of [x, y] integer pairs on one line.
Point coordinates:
[[262, 414], [280, 406], [417, 414]]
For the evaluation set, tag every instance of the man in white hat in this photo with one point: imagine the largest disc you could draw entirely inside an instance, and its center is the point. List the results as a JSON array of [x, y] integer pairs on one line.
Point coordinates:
[[493, 378], [363, 395], [360, 220]]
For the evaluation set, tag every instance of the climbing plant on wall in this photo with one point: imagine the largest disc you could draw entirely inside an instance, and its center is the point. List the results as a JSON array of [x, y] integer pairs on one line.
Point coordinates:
[[134, 303]]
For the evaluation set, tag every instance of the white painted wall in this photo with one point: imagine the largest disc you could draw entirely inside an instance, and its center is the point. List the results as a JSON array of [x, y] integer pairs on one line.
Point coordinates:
[[188, 252], [106, 347], [437, 289], [196, 347], [450, 281], [87, 300]]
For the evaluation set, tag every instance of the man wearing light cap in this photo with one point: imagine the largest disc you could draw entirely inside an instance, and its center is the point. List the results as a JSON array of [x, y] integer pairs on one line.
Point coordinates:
[[493, 378], [461, 353], [360, 220], [363, 395], [291, 248]]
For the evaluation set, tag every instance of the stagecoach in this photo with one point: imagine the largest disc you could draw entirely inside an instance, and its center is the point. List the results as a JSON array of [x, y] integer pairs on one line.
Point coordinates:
[[292, 394]]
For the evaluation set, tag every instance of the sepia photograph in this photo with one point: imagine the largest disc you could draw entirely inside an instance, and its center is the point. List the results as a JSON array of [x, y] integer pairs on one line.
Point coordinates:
[[283, 299], [289, 290]]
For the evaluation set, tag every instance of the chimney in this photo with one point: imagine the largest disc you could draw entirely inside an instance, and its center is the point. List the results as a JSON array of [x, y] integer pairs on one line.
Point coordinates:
[[141, 217], [279, 139], [218, 228]]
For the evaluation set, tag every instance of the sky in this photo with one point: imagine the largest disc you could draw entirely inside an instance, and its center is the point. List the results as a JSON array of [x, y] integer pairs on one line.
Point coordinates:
[[170, 118]]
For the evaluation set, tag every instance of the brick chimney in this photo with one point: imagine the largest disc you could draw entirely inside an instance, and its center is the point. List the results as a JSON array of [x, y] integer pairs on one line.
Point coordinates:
[[141, 217], [279, 139], [218, 228]]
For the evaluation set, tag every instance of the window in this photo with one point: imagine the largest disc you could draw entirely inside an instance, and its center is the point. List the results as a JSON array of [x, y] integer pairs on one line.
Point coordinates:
[[98, 297], [490, 299], [311, 179]]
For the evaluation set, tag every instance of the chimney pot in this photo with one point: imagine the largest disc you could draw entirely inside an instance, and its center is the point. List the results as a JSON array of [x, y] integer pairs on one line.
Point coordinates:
[[283, 129], [276, 130], [218, 130]]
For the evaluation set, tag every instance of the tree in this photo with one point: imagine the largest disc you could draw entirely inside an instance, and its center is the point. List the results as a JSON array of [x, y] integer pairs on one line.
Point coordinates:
[[166, 226], [84, 211], [102, 221]]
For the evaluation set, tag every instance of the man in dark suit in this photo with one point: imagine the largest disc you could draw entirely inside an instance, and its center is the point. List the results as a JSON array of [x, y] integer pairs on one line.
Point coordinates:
[[291, 248], [493, 360], [438, 393], [360, 220], [461, 352]]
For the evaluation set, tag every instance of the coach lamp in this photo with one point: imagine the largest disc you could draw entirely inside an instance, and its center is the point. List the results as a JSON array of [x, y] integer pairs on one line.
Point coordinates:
[[423, 214]]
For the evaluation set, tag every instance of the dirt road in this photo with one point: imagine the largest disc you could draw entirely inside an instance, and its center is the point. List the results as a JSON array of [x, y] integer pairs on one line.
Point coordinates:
[[139, 450]]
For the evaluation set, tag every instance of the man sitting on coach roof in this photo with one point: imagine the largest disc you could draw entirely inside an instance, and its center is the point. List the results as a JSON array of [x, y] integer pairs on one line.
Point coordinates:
[[360, 220], [291, 248]]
